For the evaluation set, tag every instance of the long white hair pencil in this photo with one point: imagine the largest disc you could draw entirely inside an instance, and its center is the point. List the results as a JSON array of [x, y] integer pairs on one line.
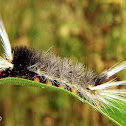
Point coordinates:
[[46, 67]]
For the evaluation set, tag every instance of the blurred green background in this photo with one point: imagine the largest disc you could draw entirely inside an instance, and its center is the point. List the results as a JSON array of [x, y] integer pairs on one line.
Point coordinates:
[[90, 31]]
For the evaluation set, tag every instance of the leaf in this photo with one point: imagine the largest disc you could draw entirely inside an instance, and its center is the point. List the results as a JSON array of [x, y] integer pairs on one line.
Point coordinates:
[[116, 115]]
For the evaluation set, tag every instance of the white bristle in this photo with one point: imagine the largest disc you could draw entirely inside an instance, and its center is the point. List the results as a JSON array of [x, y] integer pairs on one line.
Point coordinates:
[[108, 85], [5, 64], [116, 68], [5, 42]]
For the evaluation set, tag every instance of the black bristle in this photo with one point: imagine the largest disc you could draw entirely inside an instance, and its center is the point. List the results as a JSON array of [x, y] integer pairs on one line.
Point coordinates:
[[100, 79], [23, 58]]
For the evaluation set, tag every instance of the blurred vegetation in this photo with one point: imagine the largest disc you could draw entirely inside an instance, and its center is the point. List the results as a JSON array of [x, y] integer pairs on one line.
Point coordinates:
[[90, 31]]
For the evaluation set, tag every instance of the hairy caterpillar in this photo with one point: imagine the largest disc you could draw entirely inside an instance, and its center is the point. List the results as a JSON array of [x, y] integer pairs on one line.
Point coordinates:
[[46, 67]]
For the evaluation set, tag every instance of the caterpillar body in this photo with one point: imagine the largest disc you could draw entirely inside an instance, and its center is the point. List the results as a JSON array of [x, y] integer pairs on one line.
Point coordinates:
[[46, 67]]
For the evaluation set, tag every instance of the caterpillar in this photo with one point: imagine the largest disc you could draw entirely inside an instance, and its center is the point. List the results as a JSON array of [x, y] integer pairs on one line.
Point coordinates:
[[46, 67]]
